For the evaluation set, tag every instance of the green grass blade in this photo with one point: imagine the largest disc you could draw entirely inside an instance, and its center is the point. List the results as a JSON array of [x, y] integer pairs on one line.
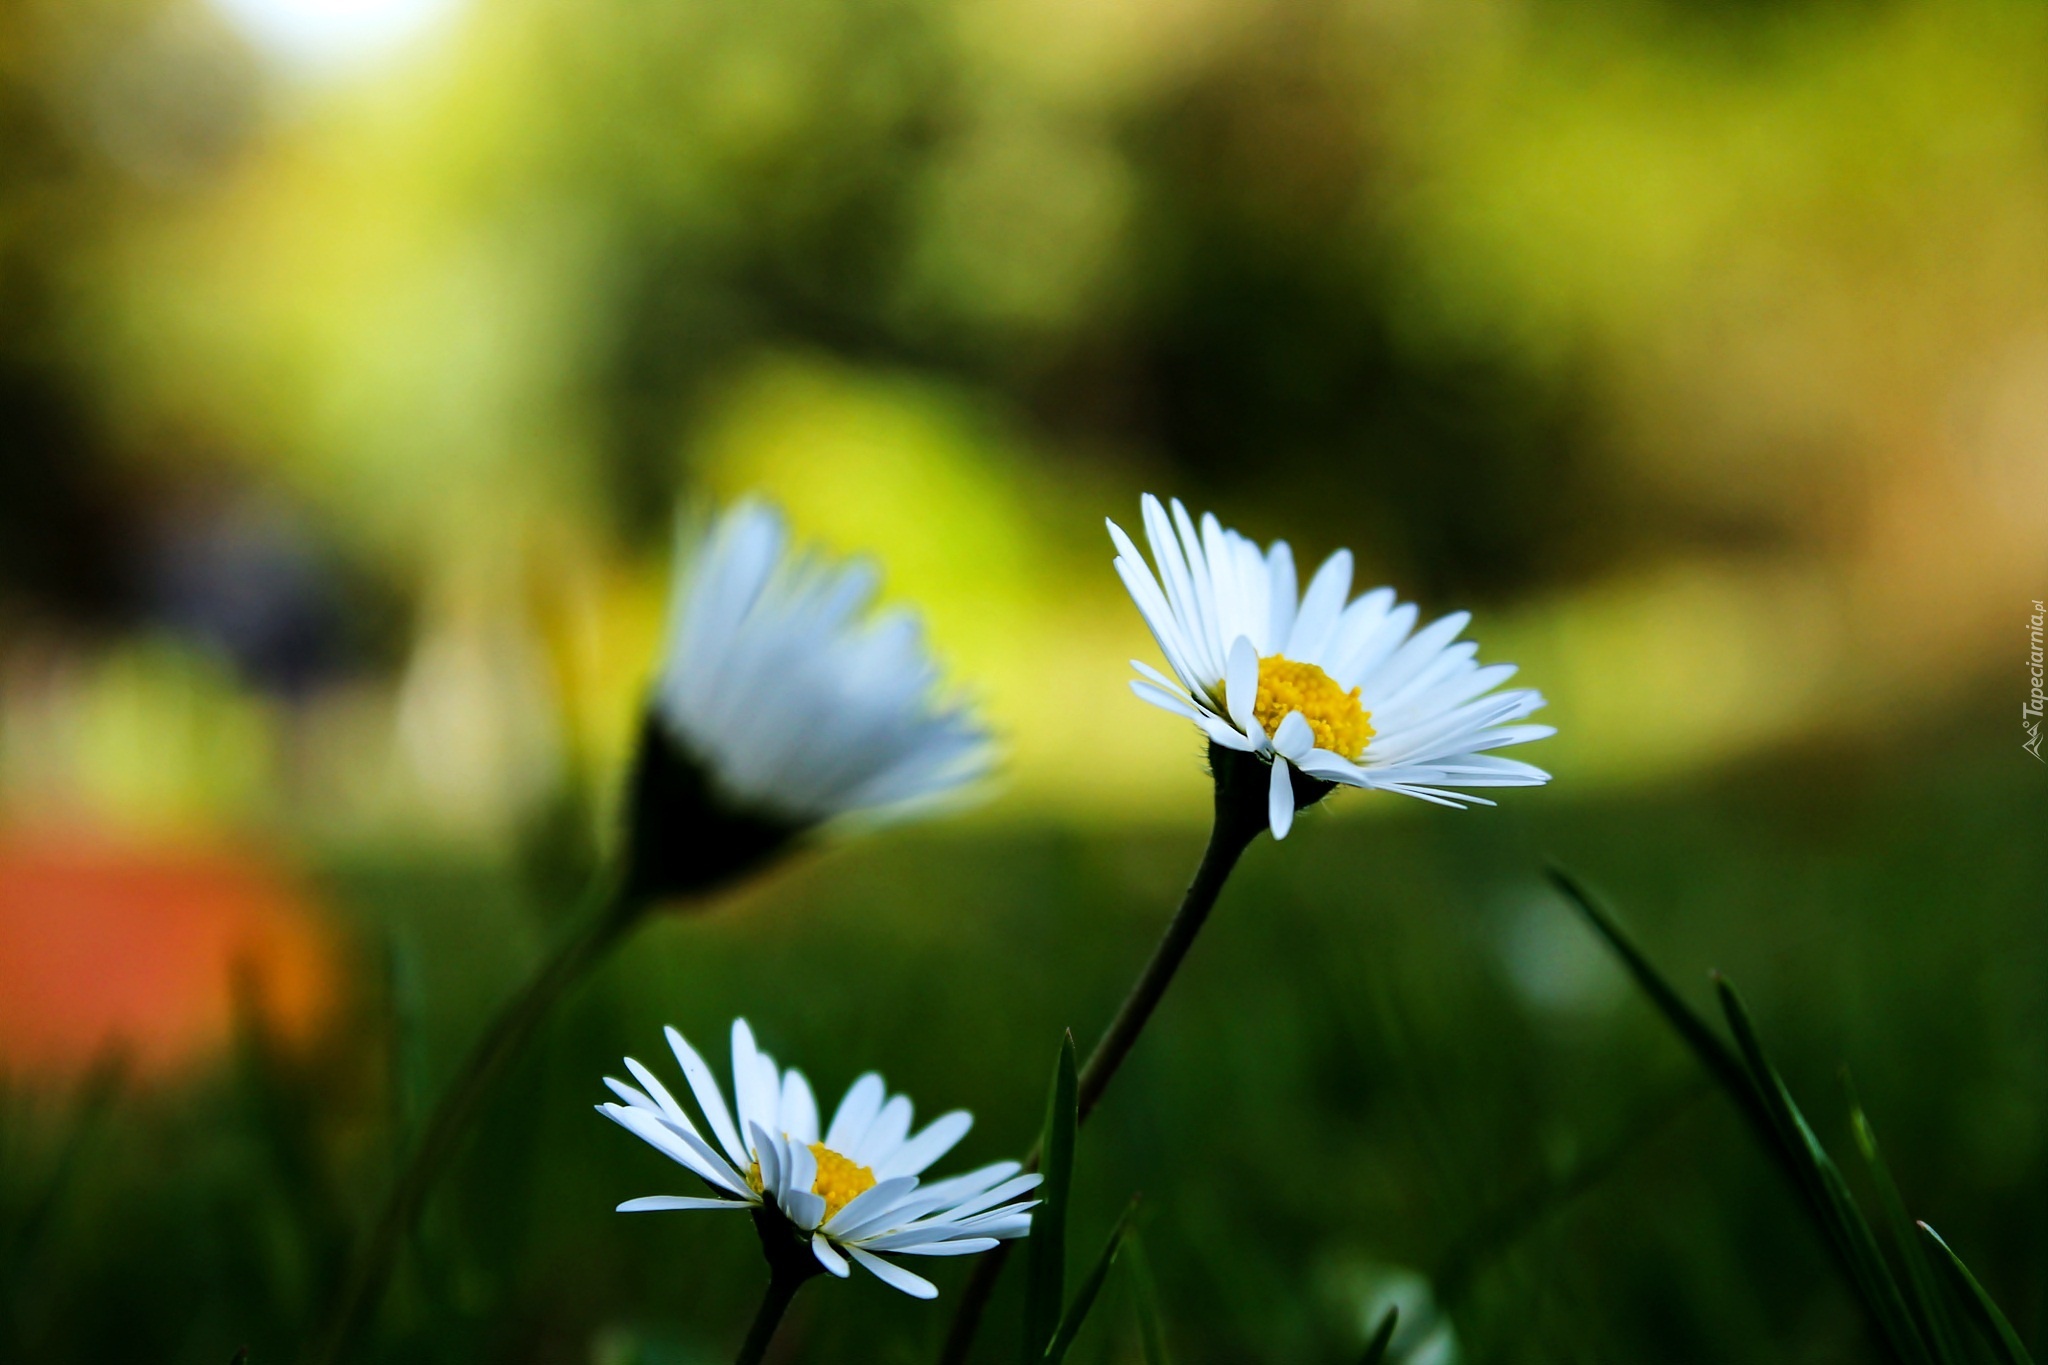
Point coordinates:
[[1045, 1285], [1719, 1060], [1767, 1107], [1836, 1211], [1920, 1274], [1091, 1288], [1982, 1310], [1151, 1325], [1382, 1338]]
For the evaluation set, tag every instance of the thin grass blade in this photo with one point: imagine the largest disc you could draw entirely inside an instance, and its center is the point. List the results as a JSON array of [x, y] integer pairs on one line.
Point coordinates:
[[1836, 1211], [1151, 1325], [1983, 1311], [1752, 1093], [1091, 1288], [1927, 1299], [1720, 1061], [1045, 1286]]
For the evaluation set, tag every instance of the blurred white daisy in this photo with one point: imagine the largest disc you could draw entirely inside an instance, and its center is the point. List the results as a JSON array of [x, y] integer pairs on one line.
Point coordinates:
[[853, 1191], [1345, 691], [797, 701]]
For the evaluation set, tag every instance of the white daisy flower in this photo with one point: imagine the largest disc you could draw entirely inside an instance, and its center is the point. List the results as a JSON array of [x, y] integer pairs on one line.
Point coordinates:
[[853, 1192], [1343, 691], [800, 704]]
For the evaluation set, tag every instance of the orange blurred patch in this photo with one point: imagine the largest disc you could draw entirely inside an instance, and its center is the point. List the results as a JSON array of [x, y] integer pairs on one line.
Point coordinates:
[[106, 945]]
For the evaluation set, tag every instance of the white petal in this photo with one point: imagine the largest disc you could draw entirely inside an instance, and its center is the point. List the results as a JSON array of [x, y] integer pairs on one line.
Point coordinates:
[[1241, 691], [1204, 650], [895, 1276], [634, 1098], [988, 1199], [683, 1147], [799, 1167], [1321, 763], [856, 1111], [768, 1153], [1293, 737], [1160, 620], [828, 1256], [1413, 657], [1280, 580], [965, 1246], [1199, 571], [1169, 684], [658, 1203], [805, 1208], [803, 707], [878, 1200], [709, 1098], [1379, 642], [1168, 631], [799, 1107], [1226, 735], [956, 1188], [1320, 607], [1280, 799], [1355, 626], [1165, 700], [939, 1137], [670, 1110], [752, 1106], [879, 1143]]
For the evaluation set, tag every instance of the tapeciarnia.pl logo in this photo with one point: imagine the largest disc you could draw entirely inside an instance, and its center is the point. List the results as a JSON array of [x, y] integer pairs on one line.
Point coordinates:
[[2030, 713]]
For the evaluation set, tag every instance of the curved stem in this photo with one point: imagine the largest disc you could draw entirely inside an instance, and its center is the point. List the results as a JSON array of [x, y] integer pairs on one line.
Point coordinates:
[[610, 915], [782, 1288], [1228, 840], [1236, 825]]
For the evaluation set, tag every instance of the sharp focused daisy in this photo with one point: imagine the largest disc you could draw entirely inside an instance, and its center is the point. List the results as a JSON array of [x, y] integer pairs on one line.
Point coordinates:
[[1338, 690], [851, 1191]]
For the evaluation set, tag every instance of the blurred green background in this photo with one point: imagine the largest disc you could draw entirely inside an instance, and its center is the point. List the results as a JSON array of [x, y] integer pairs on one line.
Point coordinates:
[[356, 358]]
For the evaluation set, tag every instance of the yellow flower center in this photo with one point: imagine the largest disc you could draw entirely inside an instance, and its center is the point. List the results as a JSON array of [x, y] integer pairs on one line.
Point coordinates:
[[839, 1178], [1340, 722]]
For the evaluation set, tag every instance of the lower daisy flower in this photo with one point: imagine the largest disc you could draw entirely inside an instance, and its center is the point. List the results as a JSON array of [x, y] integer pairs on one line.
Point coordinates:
[[852, 1190]]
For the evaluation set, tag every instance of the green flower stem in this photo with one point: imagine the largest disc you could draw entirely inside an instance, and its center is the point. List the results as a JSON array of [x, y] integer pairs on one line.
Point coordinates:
[[1228, 839], [790, 1264], [781, 1289], [612, 912], [1240, 816]]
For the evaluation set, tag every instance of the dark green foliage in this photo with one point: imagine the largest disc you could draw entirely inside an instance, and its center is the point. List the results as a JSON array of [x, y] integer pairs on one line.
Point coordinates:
[[1346, 1071]]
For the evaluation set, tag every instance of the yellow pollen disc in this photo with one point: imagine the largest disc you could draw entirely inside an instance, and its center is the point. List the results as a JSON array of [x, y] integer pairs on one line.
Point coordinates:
[[1340, 722], [839, 1178]]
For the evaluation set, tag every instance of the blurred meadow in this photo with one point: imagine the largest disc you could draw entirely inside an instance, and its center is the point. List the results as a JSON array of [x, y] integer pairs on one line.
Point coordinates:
[[357, 359]]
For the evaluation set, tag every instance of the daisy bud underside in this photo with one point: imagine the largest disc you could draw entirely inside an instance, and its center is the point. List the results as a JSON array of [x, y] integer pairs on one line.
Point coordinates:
[[784, 702]]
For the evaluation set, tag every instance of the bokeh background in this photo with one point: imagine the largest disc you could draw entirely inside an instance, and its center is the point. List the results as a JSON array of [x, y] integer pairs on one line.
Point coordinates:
[[356, 358]]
